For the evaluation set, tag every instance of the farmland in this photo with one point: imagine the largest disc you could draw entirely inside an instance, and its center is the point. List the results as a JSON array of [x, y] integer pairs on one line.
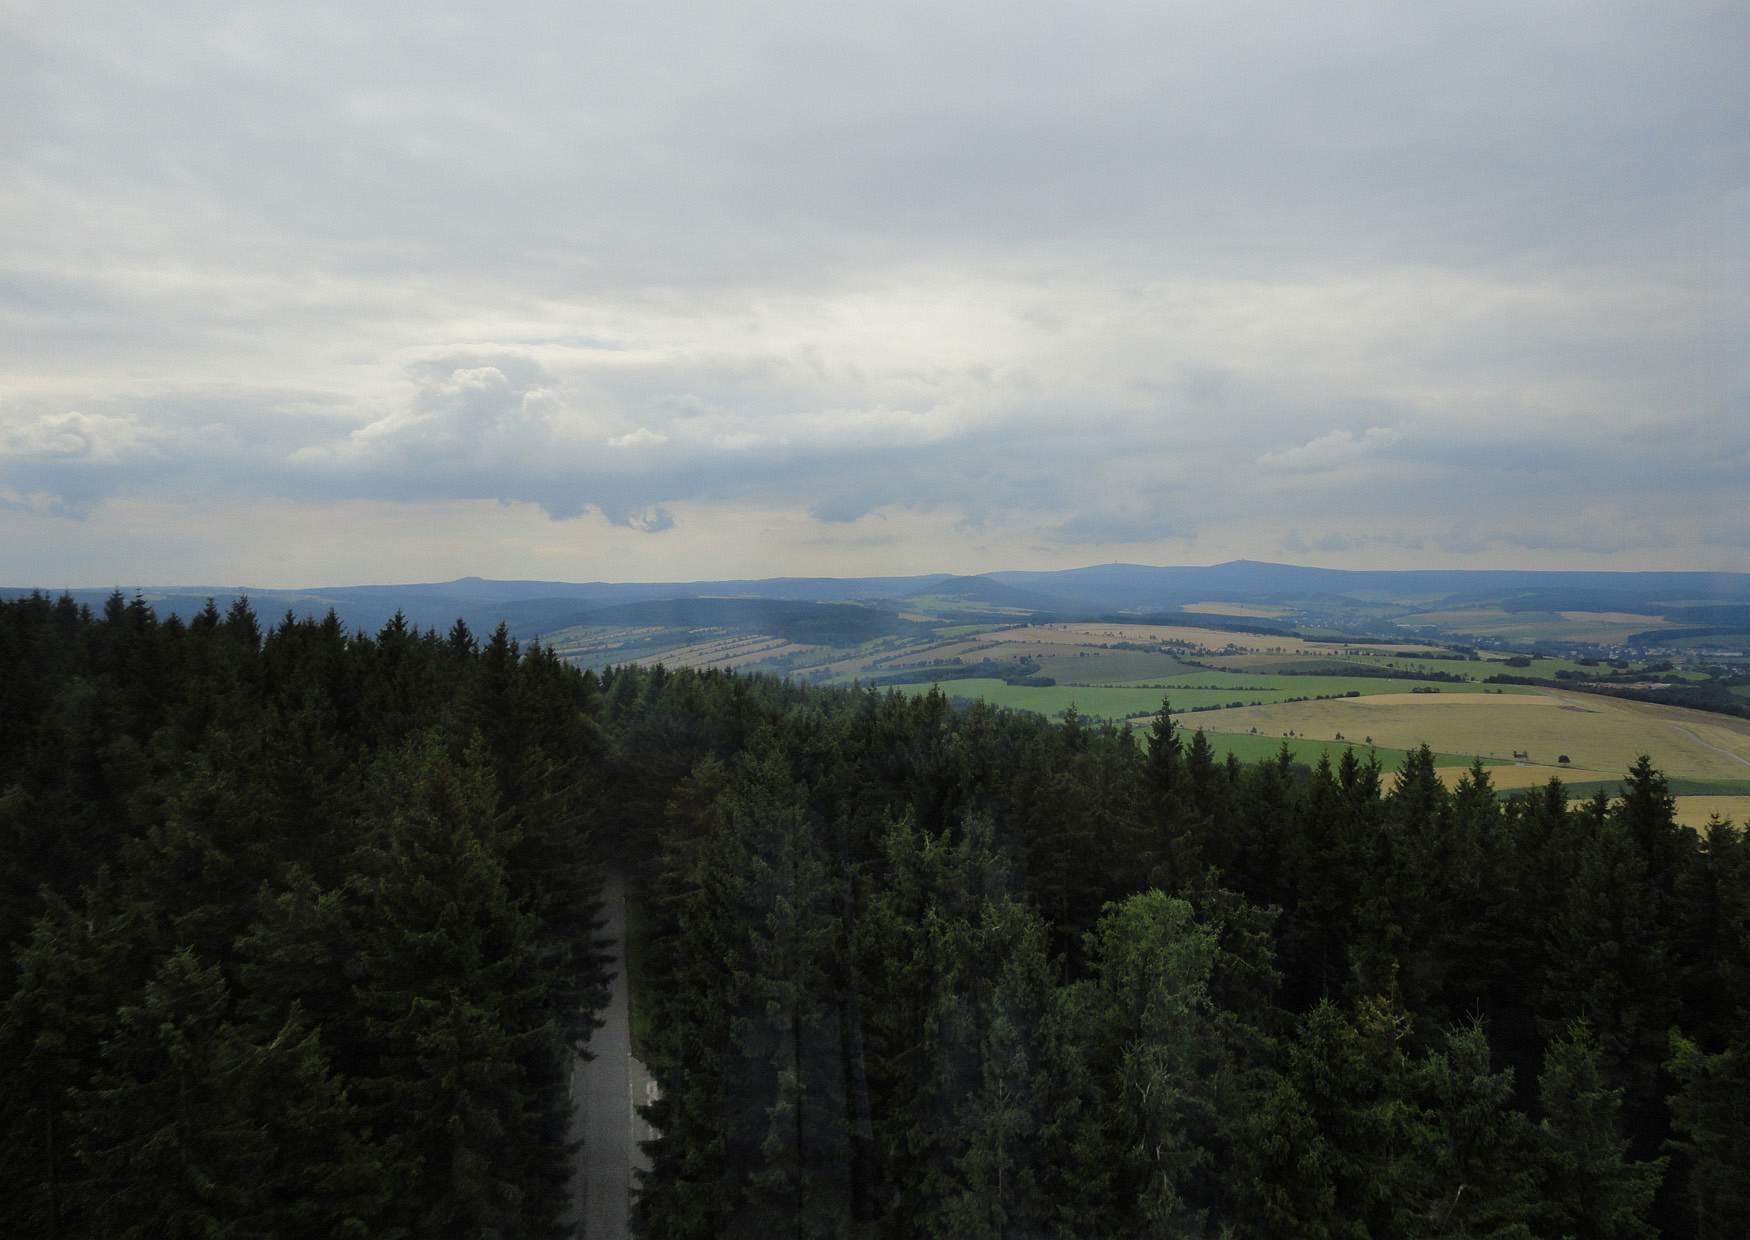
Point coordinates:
[[1236, 668], [1250, 691], [1605, 627], [1248, 748], [1597, 734]]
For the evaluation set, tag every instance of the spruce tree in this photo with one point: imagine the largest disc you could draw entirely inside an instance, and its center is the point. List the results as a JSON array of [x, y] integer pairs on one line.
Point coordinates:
[[1590, 1187]]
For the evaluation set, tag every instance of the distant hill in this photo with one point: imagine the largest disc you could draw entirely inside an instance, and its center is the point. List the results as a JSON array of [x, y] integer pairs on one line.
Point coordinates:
[[1719, 602], [985, 591]]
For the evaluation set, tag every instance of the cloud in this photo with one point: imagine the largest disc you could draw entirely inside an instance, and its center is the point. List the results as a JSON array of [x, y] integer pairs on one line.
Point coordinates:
[[651, 519], [1156, 277], [1332, 450], [638, 437], [95, 439], [1296, 543]]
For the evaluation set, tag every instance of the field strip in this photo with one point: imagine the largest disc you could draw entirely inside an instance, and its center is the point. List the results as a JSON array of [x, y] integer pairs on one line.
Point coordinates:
[[1739, 758], [1459, 698], [1517, 776]]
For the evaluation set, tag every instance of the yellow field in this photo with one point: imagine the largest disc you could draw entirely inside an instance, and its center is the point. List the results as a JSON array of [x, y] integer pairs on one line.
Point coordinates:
[[1695, 811], [1250, 611], [1698, 811], [1520, 775], [1596, 733]]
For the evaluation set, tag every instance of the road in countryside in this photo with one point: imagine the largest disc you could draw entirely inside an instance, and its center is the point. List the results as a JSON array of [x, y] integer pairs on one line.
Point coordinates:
[[604, 1091]]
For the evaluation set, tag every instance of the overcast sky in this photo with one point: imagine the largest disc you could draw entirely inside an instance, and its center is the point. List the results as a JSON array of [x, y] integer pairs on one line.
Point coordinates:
[[308, 293]]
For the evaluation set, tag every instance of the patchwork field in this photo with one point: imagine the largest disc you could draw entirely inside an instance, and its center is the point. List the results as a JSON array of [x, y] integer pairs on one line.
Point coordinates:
[[1598, 734]]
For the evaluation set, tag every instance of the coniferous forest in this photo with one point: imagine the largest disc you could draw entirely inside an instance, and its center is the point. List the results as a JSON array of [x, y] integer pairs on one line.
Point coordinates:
[[303, 939]]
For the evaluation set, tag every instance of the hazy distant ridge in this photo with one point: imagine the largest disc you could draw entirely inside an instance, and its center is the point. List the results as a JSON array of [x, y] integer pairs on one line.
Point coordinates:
[[535, 607]]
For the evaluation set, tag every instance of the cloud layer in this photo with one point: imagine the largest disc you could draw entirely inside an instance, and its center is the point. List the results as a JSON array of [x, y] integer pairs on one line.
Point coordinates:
[[654, 290]]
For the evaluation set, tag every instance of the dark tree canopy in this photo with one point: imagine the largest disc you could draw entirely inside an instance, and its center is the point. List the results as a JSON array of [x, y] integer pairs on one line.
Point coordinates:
[[302, 940]]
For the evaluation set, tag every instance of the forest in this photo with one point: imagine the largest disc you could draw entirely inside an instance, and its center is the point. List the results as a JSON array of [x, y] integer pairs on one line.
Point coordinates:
[[303, 938]]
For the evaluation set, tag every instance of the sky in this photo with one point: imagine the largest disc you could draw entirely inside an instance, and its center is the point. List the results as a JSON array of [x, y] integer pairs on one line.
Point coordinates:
[[341, 293]]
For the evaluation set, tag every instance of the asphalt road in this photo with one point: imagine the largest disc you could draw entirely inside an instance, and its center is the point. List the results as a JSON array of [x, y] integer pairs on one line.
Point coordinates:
[[604, 1091]]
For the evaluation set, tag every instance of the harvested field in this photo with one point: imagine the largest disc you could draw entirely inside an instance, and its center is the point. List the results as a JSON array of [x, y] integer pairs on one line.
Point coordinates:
[[1461, 695], [1596, 733], [1110, 667], [1262, 748], [1514, 776], [1696, 811], [1604, 627]]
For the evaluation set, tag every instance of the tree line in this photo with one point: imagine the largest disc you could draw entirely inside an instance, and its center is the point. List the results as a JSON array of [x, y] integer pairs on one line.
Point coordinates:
[[303, 940]]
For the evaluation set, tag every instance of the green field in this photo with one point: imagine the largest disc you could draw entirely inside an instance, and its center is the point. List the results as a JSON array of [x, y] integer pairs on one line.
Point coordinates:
[[1097, 703], [1314, 686], [1260, 748]]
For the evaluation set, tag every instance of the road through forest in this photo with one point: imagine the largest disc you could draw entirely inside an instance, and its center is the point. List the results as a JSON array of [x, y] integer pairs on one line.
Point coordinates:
[[604, 1092]]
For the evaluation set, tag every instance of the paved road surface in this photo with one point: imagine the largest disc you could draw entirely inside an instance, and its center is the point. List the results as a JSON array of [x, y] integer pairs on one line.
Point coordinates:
[[603, 1093]]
